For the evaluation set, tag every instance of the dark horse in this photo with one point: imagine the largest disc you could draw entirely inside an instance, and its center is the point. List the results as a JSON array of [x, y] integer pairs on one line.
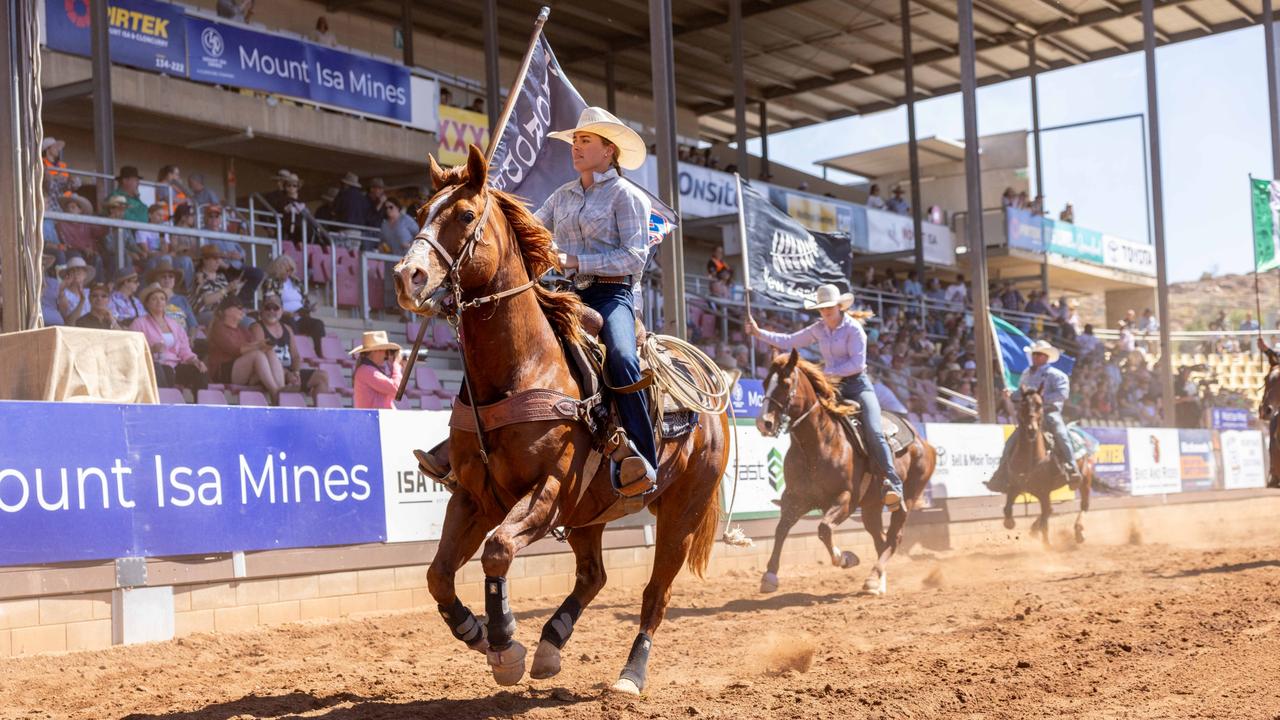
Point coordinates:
[[536, 476], [1269, 411], [1033, 469], [824, 471]]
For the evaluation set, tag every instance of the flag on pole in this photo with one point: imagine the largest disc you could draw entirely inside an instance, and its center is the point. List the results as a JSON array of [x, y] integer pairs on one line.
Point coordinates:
[[786, 262], [1266, 222], [528, 163], [1012, 345]]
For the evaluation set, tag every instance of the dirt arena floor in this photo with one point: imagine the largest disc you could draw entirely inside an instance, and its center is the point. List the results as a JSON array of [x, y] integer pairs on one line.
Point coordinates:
[[1131, 631]]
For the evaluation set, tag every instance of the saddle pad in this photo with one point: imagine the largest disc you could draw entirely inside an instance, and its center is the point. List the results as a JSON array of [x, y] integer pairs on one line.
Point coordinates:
[[679, 423], [897, 431]]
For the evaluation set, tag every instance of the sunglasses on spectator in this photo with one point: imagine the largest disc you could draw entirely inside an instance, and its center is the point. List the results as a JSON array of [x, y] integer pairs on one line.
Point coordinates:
[[98, 296], [291, 185], [271, 306]]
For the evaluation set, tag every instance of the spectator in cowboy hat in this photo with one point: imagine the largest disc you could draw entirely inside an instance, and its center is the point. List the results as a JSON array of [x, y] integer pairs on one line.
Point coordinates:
[[166, 277], [377, 203], [276, 197], [81, 239], [201, 194], [325, 210], [115, 207], [125, 305], [378, 371], [73, 300], [212, 285], [175, 363], [128, 181], [351, 206], [99, 316], [897, 203]]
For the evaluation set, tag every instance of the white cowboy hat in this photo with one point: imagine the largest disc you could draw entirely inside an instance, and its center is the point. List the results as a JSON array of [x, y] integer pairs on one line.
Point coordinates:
[[77, 262], [374, 340], [1043, 347], [598, 121], [829, 296]]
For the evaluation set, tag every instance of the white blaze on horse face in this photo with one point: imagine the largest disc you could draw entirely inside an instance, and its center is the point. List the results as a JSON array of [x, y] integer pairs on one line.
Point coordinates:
[[423, 253]]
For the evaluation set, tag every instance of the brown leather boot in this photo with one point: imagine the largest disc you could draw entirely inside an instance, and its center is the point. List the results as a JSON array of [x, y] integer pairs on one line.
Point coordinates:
[[434, 463]]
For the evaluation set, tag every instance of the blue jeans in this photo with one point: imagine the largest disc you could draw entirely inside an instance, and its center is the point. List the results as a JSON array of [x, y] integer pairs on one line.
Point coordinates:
[[1057, 426], [622, 365], [859, 388]]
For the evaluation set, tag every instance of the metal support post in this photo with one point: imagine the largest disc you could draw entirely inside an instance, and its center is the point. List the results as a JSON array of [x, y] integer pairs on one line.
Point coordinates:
[[492, 58], [1157, 211], [406, 30], [104, 130], [764, 140], [664, 103], [610, 85], [1273, 103], [913, 151], [1035, 143], [984, 392], [739, 84]]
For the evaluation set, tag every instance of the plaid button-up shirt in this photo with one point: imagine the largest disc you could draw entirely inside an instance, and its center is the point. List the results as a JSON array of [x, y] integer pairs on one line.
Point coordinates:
[[606, 226]]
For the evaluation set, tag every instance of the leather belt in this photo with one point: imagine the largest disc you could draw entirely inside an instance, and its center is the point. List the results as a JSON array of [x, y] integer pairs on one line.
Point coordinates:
[[582, 282]]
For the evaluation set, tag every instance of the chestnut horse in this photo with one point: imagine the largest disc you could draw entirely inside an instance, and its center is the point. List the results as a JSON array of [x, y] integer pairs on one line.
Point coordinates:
[[824, 470], [1269, 411], [1033, 469], [476, 260]]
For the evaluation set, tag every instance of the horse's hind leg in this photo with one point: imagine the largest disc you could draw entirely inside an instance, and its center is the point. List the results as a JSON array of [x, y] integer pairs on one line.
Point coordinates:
[[586, 544], [836, 514], [1086, 489], [873, 521], [1008, 510], [793, 508], [528, 521], [464, 529]]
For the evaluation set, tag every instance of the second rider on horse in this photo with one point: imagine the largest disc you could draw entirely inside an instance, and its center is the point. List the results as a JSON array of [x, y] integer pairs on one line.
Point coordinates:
[[843, 344], [1054, 387]]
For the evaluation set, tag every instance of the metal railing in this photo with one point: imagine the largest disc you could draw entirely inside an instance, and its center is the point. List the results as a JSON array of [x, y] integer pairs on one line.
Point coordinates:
[[164, 191]]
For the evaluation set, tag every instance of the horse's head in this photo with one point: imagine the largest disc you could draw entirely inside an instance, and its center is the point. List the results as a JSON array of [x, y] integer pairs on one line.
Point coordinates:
[[785, 395], [457, 246], [1031, 409]]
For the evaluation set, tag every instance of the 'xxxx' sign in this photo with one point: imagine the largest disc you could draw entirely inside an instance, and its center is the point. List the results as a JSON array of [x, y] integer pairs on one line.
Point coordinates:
[[458, 129]]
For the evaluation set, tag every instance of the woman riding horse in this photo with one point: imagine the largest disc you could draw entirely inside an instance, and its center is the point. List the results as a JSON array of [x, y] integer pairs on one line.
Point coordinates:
[[843, 344], [600, 225]]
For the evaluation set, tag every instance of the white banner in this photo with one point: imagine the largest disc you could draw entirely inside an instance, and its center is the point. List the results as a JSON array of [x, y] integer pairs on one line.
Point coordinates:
[[1122, 254], [968, 456], [424, 104], [1155, 465], [705, 192], [760, 477], [1243, 464], [891, 232], [415, 503]]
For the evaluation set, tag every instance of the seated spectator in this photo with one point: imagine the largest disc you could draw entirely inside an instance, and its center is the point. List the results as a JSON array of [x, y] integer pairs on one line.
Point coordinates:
[[351, 206], [1068, 214], [1249, 323], [957, 293], [73, 297], [282, 281], [271, 329], [890, 282], [1035, 304], [293, 212], [378, 371], [99, 315], [125, 305], [1088, 342], [324, 211], [322, 34], [397, 229], [127, 183], [176, 365], [184, 250], [897, 203], [50, 288], [477, 106], [235, 267], [1148, 323], [148, 244], [276, 198], [234, 356], [874, 201], [716, 263], [911, 286], [115, 206], [212, 285], [201, 194], [178, 307], [377, 203], [81, 239], [446, 100], [1008, 198], [170, 176]]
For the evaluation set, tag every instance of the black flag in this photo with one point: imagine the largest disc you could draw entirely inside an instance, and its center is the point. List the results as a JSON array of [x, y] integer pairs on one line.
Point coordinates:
[[788, 262]]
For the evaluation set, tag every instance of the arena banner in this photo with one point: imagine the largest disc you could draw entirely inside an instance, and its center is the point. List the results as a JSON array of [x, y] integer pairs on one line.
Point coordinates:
[[163, 480], [1024, 230], [1231, 418], [226, 54], [747, 398], [415, 503], [1154, 461], [1073, 241], [460, 128], [788, 262], [891, 232], [968, 456], [1123, 254], [1112, 459], [704, 192], [1243, 459], [144, 34], [822, 214], [760, 472], [1197, 460]]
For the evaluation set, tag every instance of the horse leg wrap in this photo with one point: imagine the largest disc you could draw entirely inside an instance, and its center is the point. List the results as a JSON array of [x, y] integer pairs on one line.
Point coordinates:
[[637, 666], [463, 624], [560, 626], [497, 605]]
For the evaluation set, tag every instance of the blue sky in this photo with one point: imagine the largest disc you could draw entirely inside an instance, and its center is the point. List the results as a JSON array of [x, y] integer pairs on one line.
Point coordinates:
[[1213, 133]]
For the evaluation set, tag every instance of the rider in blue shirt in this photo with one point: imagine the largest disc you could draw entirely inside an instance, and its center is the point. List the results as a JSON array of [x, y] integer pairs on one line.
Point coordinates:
[[1054, 387]]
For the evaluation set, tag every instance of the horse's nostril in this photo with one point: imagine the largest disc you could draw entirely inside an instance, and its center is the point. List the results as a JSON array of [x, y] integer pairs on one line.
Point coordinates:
[[418, 277]]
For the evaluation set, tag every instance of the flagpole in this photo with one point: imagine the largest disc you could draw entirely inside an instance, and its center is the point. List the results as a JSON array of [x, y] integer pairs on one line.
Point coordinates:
[[742, 240], [495, 134]]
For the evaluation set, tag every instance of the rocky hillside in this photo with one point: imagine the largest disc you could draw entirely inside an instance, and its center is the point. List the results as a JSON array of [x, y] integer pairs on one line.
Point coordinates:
[[1194, 304]]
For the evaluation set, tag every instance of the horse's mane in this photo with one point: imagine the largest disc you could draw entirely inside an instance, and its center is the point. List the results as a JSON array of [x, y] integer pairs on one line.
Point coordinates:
[[534, 240], [822, 387]]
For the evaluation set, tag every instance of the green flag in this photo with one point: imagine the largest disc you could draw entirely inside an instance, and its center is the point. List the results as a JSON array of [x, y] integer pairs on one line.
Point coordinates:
[[1266, 203]]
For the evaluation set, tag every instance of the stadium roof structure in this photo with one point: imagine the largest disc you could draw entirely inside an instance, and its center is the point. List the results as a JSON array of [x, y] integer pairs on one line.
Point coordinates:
[[892, 159], [813, 61]]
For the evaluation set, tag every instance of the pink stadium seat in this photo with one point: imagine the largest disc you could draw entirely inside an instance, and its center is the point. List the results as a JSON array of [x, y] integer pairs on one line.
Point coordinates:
[[253, 398], [411, 331], [329, 400], [307, 352], [431, 402], [292, 399], [211, 397], [377, 292], [337, 382], [407, 404], [442, 336], [319, 264], [332, 351], [172, 396], [428, 382]]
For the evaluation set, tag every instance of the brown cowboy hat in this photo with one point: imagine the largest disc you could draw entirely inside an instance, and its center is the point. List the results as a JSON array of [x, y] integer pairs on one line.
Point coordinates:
[[163, 266], [211, 251], [150, 290]]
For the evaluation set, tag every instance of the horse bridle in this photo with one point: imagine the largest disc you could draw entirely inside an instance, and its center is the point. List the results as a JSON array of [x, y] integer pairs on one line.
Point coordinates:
[[792, 422]]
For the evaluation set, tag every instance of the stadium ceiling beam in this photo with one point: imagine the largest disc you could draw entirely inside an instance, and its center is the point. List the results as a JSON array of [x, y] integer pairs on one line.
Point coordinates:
[[70, 91], [1111, 37], [705, 21], [1003, 40], [1195, 18], [1017, 23], [1240, 8], [339, 5]]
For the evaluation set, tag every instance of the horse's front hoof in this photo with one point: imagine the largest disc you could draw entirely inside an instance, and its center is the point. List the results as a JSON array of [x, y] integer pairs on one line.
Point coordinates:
[[769, 583], [1009, 524], [874, 586], [849, 560], [1079, 536], [507, 664], [625, 686], [546, 661]]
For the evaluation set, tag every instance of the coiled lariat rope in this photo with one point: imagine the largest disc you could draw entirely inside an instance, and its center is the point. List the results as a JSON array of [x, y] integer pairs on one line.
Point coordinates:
[[699, 384]]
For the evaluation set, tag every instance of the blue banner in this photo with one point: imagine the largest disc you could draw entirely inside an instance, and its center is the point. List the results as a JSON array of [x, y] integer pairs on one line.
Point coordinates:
[[1111, 459], [1024, 229], [162, 480], [1231, 418], [748, 398], [144, 34], [231, 55], [1027, 231]]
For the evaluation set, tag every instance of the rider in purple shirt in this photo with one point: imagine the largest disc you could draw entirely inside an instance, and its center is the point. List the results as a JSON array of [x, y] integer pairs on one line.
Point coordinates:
[[843, 344]]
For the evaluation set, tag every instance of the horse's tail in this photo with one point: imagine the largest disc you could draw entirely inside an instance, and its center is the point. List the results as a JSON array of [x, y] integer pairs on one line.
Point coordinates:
[[704, 537]]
